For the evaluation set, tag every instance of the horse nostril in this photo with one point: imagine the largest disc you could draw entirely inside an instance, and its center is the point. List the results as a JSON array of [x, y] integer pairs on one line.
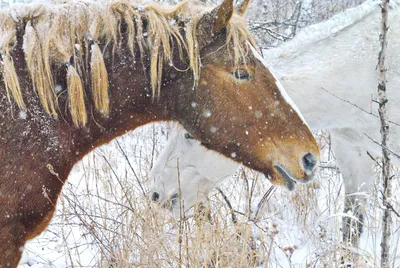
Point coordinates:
[[155, 196], [309, 162]]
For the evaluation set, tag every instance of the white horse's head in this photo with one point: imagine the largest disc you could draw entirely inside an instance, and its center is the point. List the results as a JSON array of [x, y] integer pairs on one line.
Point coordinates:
[[186, 172]]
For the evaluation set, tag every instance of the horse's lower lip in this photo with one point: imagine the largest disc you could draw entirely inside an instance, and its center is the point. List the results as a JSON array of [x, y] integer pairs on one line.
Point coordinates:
[[167, 204], [170, 203], [290, 183]]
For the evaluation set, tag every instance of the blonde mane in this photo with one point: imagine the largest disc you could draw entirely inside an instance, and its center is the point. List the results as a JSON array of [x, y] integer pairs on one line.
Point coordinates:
[[58, 34]]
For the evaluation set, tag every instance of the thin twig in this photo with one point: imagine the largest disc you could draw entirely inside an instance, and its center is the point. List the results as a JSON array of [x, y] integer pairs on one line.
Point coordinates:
[[264, 199], [382, 146], [373, 159], [299, 7], [388, 205], [358, 107], [117, 177], [133, 170], [232, 211], [394, 211]]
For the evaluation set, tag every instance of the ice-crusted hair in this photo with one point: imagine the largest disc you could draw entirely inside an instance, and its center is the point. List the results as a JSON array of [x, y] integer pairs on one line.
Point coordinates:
[[54, 34]]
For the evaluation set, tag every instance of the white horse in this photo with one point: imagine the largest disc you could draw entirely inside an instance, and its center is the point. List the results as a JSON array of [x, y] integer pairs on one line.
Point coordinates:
[[187, 170], [329, 70]]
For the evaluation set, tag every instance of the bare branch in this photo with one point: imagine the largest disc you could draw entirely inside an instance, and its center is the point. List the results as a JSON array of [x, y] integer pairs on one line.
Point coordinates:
[[358, 107], [382, 146], [129, 163], [373, 159], [392, 208], [232, 211], [263, 200]]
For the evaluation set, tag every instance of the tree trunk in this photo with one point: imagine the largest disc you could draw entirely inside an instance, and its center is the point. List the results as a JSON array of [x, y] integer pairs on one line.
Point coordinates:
[[386, 176]]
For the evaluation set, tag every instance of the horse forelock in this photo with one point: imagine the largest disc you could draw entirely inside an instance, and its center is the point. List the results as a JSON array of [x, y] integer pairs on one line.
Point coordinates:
[[56, 34]]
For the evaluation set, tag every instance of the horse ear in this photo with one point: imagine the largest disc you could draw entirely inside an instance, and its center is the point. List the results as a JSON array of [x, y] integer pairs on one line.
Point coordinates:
[[224, 14], [212, 23], [241, 9]]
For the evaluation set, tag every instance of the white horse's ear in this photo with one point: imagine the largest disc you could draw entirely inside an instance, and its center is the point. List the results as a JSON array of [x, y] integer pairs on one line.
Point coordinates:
[[212, 23], [241, 8]]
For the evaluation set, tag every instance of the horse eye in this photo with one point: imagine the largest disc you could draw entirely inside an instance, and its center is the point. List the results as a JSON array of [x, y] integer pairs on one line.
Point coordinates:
[[188, 137], [241, 74]]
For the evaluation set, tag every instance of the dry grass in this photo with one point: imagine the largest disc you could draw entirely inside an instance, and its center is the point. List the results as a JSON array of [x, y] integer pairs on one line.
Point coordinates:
[[104, 214]]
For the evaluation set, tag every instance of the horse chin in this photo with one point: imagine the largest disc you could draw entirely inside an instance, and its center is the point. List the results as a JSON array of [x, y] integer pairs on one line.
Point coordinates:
[[286, 179], [172, 204], [166, 204]]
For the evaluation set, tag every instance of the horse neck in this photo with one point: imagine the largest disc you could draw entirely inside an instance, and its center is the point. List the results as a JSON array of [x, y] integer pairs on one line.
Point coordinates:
[[60, 144], [131, 105]]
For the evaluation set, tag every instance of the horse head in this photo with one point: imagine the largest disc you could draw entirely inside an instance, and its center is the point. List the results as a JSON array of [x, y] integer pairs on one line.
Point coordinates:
[[236, 106], [199, 171]]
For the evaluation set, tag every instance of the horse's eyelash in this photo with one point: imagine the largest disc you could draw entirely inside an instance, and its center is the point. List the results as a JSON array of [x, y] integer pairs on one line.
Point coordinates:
[[241, 74], [188, 136]]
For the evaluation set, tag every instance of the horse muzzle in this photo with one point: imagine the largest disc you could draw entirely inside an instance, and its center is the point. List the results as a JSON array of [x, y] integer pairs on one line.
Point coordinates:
[[166, 202], [284, 178]]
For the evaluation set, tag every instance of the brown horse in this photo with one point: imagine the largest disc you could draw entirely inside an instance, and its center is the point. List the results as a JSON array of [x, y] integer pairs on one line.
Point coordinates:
[[77, 75]]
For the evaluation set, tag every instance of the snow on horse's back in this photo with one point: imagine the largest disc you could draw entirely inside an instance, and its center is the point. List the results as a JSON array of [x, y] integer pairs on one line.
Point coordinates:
[[337, 59]]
